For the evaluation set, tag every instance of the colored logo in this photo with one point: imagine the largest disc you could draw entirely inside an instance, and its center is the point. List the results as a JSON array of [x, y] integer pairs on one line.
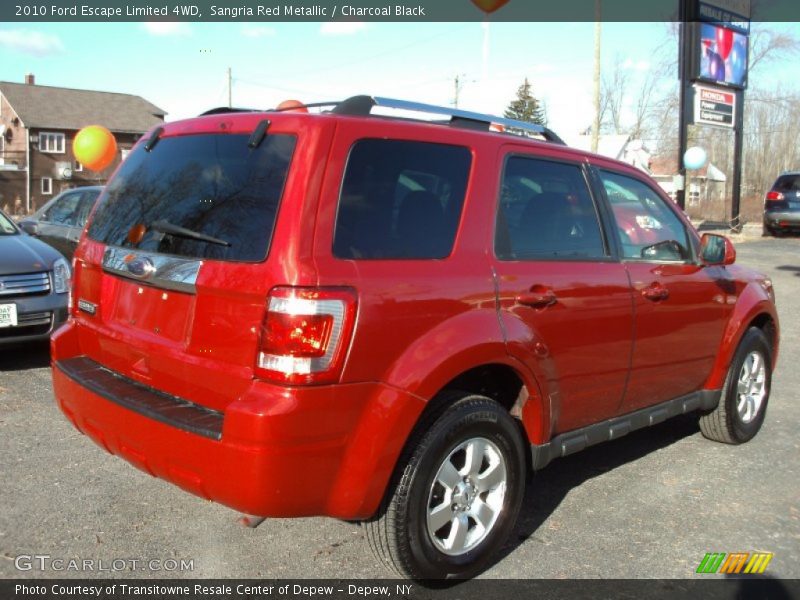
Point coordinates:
[[736, 563]]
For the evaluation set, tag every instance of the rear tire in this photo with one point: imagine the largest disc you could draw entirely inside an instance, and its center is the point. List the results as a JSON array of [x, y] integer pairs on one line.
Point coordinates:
[[743, 403], [455, 495]]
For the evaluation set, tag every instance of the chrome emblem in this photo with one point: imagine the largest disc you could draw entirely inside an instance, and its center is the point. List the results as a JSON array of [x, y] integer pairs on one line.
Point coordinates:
[[87, 307], [141, 267]]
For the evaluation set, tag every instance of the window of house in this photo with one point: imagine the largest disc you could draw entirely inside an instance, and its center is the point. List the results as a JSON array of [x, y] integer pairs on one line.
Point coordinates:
[[52, 142], [124, 152], [47, 185], [78, 167]]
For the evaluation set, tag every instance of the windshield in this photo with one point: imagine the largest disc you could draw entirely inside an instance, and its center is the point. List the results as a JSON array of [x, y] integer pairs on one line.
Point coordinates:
[[6, 226], [200, 196]]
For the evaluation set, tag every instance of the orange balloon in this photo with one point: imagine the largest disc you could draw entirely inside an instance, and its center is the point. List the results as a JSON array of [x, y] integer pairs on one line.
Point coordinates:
[[292, 106], [95, 147], [489, 6]]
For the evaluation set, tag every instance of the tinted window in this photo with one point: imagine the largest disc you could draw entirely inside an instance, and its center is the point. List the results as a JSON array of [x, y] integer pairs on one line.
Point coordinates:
[[213, 185], [63, 210], [647, 227], [72, 209], [546, 211], [787, 183], [85, 207], [401, 199]]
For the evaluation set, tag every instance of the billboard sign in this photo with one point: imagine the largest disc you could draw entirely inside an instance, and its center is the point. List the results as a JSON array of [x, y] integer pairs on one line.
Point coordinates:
[[721, 55], [714, 106]]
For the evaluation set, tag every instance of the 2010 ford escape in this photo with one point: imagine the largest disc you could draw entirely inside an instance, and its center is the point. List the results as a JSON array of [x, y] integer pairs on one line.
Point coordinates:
[[391, 320]]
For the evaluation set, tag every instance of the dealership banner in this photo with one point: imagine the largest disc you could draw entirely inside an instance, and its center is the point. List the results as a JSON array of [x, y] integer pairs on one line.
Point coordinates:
[[366, 10]]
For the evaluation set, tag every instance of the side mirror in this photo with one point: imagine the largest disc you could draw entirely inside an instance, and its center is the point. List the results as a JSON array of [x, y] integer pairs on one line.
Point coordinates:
[[716, 250], [29, 227]]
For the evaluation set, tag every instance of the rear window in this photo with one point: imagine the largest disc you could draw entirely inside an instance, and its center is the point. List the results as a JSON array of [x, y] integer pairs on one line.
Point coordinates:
[[401, 199], [787, 183], [210, 185]]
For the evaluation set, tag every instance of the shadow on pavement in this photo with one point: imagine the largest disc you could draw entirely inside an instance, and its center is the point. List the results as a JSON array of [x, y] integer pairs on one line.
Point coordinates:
[[549, 487], [791, 268], [32, 355]]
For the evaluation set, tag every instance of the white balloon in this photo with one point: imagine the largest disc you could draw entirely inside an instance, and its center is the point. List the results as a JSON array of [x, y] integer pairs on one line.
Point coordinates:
[[695, 158]]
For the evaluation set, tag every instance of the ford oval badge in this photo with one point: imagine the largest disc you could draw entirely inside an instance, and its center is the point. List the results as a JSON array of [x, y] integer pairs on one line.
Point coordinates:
[[141, 267]]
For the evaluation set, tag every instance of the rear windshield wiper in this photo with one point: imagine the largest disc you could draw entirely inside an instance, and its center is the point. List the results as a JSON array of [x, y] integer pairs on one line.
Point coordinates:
[[170, 229]]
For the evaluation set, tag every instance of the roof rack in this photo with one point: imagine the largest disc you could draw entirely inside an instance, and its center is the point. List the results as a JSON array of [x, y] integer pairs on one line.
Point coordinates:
[[363, 105]]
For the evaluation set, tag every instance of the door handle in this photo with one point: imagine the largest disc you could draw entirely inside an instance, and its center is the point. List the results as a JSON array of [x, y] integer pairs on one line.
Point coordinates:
[[537, 297], [655, 292]]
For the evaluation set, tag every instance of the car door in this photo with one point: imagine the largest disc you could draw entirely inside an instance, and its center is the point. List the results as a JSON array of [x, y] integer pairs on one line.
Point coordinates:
[[565, 300], [680, 305]]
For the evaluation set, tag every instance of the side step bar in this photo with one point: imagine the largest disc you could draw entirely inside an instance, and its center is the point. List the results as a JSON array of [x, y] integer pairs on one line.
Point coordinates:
[[575, 441]]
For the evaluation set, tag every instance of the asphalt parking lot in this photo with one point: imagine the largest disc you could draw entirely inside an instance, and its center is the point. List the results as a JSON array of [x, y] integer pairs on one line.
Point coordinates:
[[649, 505]]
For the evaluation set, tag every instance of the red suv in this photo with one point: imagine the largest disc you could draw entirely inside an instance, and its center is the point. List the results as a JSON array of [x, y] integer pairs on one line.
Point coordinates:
[[393, 320]]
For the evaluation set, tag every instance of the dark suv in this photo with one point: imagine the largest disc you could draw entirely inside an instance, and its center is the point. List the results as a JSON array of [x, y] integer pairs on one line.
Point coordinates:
[[782, 205], [391, 320]]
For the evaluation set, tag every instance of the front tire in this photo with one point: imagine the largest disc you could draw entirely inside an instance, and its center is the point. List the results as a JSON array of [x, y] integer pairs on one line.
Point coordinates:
[[743, 404], [456, 493]]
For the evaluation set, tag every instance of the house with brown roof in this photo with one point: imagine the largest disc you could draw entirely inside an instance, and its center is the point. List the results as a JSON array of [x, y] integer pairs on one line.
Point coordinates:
[[37, 126]]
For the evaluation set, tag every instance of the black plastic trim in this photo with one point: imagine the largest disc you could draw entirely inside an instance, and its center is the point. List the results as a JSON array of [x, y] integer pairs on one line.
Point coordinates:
[[153, 139], [574, 441], [259, 133], [143, 399]]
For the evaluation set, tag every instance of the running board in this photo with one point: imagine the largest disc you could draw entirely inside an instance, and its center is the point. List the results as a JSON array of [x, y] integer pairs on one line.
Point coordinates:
[[578, 439]]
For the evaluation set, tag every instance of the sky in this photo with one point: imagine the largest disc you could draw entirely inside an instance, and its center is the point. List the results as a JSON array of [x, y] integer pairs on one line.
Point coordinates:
[[182, 67]]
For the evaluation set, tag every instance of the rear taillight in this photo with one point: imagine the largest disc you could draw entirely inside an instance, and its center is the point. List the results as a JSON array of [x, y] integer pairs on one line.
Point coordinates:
[[774, 196], [305, 334]]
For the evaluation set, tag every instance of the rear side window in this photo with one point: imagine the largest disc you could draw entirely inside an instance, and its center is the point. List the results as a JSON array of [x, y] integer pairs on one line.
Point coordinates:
[[197, 186], [401, 199], [546, 211]]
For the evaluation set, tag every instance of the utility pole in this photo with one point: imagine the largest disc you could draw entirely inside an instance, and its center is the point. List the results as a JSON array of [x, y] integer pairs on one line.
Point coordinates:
[[230, 89], [685, 15], [596, 78], [457, 91]]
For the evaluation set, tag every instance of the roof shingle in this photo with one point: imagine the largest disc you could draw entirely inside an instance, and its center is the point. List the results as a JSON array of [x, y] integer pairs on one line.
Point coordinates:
[[44, 106]]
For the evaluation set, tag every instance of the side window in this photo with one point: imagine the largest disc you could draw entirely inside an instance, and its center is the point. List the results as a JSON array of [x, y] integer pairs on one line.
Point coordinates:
[[647, 227], [400, 200], [84, 208], [60, 213], [546, 211]]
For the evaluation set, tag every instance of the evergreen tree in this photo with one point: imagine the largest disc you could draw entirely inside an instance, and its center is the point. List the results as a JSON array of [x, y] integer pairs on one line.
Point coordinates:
[[526, 107]]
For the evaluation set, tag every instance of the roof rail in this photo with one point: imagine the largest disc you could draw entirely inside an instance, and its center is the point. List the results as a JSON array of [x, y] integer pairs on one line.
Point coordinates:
[[363, 105], [220, 110]]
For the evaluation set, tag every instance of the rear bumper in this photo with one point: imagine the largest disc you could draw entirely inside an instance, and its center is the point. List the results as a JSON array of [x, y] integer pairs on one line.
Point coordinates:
[[39, 317], [782, 220], [280, 452]]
